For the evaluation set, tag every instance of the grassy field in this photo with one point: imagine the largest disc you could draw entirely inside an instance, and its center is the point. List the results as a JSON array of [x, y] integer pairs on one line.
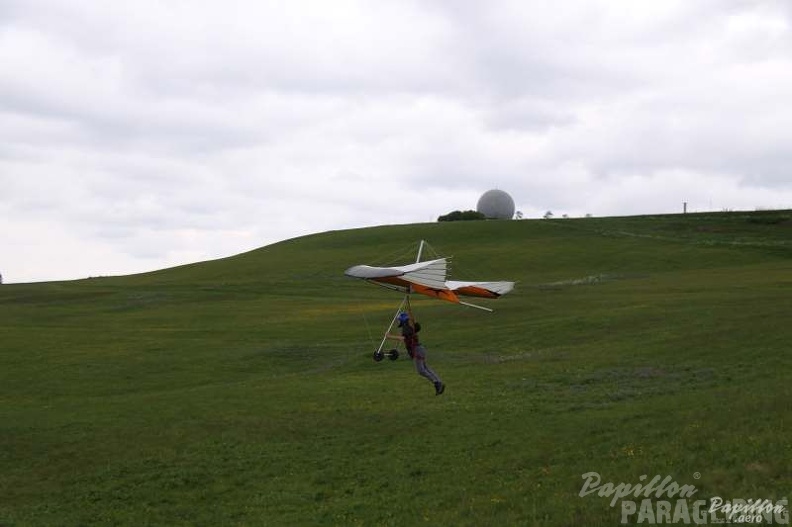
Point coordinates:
[[242, 391]]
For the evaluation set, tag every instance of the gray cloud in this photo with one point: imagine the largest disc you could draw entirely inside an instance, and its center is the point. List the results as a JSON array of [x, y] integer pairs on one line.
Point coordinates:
[[134, 137]]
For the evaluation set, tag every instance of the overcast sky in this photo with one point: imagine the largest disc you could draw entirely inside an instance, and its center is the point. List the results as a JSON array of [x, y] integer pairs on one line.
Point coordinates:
[[141, 135]]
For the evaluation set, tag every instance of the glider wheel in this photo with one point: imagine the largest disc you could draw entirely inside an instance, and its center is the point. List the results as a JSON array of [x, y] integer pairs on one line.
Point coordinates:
[[379, 355], [393, 354]]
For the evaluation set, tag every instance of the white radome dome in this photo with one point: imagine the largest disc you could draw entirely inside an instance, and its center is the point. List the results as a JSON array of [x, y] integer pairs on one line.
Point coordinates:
[[496, 204]]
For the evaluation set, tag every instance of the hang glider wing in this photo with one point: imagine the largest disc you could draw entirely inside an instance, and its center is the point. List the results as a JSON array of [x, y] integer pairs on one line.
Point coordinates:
[[480, 289], [405, 278], [428, 278]]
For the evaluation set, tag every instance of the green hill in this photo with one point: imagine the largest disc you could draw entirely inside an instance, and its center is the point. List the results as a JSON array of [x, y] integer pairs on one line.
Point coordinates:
[[241, 391]]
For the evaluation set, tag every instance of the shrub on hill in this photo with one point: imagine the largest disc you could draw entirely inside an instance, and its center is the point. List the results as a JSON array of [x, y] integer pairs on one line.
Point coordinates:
[[462, 216]]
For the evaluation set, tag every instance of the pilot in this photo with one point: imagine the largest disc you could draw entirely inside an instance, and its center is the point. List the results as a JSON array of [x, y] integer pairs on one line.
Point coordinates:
[[416, 350]]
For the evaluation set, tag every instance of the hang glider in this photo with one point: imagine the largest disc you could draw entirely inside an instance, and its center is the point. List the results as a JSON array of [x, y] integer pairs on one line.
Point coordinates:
[[429, 278]]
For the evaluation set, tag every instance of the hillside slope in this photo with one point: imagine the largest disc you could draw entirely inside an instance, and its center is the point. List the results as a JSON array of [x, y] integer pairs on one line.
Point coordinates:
[[241, 391]]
